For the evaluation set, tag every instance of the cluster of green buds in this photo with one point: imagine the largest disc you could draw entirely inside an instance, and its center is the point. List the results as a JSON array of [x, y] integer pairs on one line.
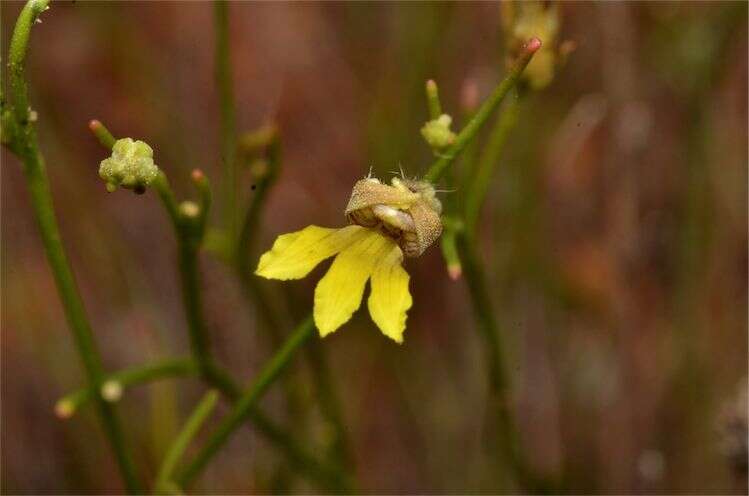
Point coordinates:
[[437, 131], [522, 20], [130, 166]]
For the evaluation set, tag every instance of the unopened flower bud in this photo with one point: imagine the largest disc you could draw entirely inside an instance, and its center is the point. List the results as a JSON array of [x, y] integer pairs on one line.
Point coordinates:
[[130, 166], [437, 132], [111, 391], [189, 209]]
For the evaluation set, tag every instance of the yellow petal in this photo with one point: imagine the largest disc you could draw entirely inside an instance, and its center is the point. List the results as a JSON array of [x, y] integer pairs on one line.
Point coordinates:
[[294, 255], [339, 293], [390, 300]]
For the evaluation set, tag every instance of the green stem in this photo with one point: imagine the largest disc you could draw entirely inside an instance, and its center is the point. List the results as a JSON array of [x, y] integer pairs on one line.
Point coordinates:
[[433, 100], [19, 43], [193, 304], [488, 162], [170, 367], [246, 403], [183, 439], [226, 107], [26, 147], [484, 112], [102, 134], [499, 403], [189, 235]]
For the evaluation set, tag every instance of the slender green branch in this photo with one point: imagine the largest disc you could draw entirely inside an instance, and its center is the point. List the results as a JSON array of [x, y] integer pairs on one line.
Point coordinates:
[[26, 147], [488, 162], [189, 230], [246, 403], [183, 439], [18, 50], [452, 229], [193, 302], [166, 195], [499, 402], [102, 134], [169, 367], [433, 100], [484, 112], [206, 197], [226, 107]]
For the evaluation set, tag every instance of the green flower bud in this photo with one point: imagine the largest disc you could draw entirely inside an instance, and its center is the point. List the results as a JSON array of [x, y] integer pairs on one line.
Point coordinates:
[[437, 132], [111, 391], [189, 209], [130, 166]]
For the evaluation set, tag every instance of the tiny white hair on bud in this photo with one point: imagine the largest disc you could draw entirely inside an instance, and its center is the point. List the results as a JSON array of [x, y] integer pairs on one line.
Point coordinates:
[[111, 391]]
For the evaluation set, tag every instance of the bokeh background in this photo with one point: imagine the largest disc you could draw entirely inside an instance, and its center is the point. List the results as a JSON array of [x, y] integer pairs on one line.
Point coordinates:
[[614, 239]]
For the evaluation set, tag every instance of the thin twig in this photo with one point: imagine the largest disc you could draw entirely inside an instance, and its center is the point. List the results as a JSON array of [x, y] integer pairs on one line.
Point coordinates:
[[169, 367], [488, 162], [183, 439]]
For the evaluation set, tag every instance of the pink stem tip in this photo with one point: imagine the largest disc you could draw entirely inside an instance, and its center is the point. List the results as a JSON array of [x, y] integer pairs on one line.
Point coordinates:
[[197, 175], [533, 45]]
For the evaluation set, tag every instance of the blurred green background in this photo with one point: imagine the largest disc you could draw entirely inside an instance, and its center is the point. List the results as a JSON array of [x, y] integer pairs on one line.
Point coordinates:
[[614, 238]]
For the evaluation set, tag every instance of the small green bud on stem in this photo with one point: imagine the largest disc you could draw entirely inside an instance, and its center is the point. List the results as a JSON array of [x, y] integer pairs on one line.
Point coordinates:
[[111, 391], [189, 209], [437, 132], [131, 164]]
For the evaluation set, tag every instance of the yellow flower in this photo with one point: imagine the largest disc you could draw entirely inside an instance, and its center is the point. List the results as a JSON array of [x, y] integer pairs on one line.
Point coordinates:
[[361, 255]]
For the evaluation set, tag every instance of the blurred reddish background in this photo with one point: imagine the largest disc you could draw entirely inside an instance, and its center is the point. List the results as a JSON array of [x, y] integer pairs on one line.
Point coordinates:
[[614, 235]]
